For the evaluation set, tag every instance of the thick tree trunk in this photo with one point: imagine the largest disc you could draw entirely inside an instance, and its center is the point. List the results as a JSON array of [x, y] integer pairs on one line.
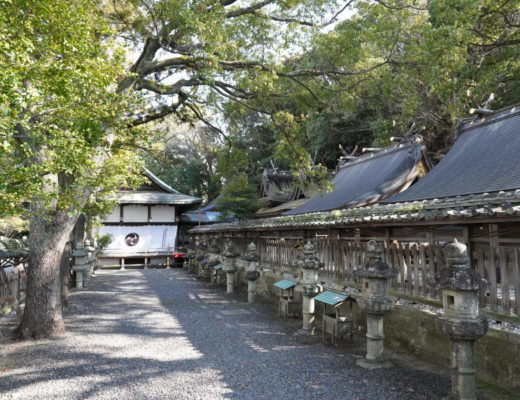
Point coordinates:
[[43, 306], [65, 271]]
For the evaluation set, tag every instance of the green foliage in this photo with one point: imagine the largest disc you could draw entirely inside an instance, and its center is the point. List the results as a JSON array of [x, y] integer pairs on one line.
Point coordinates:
[[238, 199], [185, 157], [13, 226], [103, 241], [426, 62], [63, 132]]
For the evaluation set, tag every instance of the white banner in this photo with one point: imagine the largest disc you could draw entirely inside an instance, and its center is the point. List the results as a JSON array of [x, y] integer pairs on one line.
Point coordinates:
[[140, 238]]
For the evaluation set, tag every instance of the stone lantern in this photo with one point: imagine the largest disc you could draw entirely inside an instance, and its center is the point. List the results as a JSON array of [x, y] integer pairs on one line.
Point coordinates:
[[81, 264], [213, 247], [252, 273], [195, 254], [192, 245], [460, 286], [91, 254], [230, 266], [375, 275], [214, 262], [309, 286]]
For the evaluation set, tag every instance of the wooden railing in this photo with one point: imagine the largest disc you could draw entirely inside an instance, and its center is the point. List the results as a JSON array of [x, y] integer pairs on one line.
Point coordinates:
[[417, 262]]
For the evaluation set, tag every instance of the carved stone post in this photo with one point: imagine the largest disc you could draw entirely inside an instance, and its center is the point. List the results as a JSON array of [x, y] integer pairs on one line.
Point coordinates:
[[192, 244], [309, 286], [230, 265], [460, 286], [213, 247], [81, 264], [252, 273], [91, 255], [375, 300], [214, 260]]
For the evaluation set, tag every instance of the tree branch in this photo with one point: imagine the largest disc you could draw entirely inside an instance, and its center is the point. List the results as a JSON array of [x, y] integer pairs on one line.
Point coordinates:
[[160, 114], [161, 65], [166, 89], [282, 19], [248, 10], [232, 65], [227, 2], [311, 92], [201, 118], [236, 100], [392, 7]]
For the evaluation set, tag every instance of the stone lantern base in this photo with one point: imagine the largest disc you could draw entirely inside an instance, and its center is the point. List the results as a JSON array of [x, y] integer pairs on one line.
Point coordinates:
[[81, 273], [230, 281], [308, 292], [375, 357]]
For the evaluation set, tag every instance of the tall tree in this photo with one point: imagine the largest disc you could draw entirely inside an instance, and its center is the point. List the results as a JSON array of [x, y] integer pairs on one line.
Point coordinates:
[[62, 133]]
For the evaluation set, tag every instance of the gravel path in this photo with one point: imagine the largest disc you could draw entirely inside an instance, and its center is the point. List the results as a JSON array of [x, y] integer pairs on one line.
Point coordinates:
[[161, 334]]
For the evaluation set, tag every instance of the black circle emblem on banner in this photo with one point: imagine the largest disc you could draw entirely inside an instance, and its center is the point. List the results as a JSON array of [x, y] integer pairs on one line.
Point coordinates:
[[131, 239]]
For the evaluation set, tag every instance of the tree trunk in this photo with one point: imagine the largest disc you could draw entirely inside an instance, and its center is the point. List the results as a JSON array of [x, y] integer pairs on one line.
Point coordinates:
[[65, 271], [49, 233]]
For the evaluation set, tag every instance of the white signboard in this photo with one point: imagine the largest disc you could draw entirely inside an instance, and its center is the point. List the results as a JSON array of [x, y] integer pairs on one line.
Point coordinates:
[[140, 238]]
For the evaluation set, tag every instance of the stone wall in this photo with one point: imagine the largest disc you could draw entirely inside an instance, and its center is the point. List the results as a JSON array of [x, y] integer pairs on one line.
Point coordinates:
[[412, 331]]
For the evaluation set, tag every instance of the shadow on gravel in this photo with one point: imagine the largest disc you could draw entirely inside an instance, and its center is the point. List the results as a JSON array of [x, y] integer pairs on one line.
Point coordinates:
[[260, 357], [160, 334]]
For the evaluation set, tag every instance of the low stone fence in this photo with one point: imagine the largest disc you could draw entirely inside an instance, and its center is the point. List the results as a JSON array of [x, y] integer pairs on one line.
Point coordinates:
[[417, 256], [409, 327]]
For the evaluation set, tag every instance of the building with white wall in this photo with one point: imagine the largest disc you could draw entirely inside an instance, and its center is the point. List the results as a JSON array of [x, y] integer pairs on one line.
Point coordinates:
[[143, 226]]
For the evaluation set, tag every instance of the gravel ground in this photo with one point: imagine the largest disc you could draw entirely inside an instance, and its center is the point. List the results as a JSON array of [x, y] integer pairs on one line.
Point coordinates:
[[161, 334]]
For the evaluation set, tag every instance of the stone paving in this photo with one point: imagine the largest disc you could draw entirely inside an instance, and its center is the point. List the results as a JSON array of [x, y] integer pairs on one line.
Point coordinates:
[[161, 334]]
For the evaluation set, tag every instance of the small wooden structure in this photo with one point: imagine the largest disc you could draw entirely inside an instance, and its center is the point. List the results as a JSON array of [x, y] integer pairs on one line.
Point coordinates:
[[218, 274], [287, 304], [337, 319]]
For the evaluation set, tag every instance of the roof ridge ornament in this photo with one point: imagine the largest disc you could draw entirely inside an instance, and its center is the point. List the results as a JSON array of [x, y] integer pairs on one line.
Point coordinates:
[[484, 110]]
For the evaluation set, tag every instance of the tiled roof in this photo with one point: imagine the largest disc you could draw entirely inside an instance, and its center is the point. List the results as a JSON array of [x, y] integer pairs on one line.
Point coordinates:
[[368, 179], [155, 198], [484, 158], [166, 194], [471, 207]]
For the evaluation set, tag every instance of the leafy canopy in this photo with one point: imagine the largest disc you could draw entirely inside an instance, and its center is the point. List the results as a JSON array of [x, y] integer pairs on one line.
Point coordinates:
[[63, 129]]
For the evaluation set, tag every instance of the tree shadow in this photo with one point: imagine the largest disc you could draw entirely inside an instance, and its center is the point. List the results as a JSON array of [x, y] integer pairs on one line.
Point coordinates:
[[162, 334]]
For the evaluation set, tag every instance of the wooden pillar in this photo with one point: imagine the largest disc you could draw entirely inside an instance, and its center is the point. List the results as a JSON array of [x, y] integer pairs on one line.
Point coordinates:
[[467, 241], [493, 265]]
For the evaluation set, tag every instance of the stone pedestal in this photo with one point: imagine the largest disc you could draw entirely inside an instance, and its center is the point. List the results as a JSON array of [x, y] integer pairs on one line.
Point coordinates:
[[376, 302], [91, 255], [309, 287], [230, 266], [81, 264], [461, 323], [190, 254], [252, 273], [308, 307], [375, 339]]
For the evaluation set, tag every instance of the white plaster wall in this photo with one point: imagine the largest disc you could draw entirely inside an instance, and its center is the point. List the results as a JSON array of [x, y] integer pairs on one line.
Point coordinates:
[[151, 237], [135, 214], [112, 217], [163, 214]]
